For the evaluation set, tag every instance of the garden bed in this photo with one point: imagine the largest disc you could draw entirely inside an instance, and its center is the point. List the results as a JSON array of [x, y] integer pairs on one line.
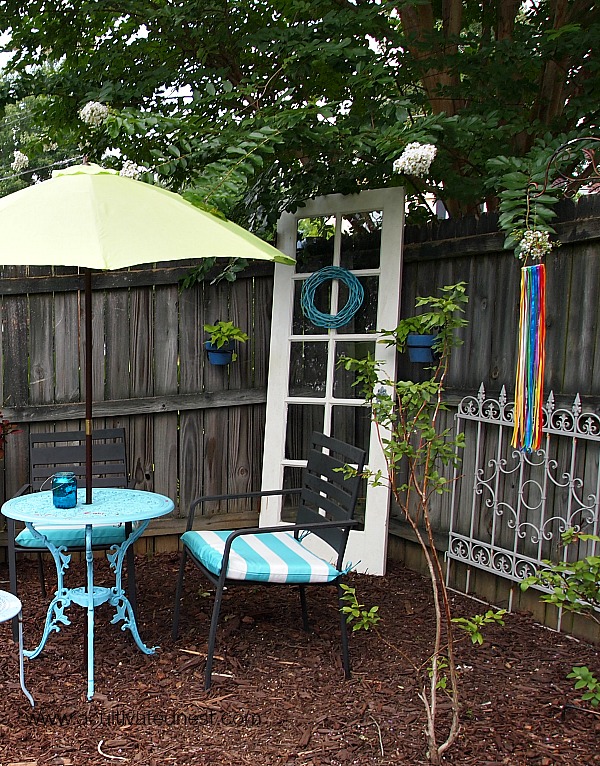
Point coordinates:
[[278, 694]]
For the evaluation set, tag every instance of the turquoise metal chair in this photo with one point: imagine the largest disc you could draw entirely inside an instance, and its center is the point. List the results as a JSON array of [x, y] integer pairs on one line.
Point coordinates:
[[52, 452], [279, 555]]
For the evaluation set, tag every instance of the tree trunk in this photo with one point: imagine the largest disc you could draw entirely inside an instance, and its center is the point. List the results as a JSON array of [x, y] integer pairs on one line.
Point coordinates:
[[554, 86], [505, 24], [418, 25]]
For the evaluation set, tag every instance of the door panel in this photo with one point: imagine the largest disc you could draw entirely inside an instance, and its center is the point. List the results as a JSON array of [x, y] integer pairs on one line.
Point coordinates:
[[307, 391]]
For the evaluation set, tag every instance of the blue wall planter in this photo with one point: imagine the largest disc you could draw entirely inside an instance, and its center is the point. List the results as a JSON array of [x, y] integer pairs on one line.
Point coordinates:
[[420, 347], [220, 356]]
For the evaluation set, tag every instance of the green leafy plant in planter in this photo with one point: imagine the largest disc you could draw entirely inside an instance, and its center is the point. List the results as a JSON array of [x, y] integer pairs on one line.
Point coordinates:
[[221, 344], [426, 330], [418, 453], [418, 334]]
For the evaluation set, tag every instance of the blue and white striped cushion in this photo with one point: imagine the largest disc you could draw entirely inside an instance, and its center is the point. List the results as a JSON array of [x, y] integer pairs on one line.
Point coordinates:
[[269, 557]]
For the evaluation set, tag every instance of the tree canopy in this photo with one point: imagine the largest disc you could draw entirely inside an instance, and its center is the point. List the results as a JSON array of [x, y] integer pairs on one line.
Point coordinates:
[[252, 105]]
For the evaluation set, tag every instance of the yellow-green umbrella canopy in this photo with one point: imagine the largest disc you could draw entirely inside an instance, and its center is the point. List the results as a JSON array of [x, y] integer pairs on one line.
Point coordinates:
[[93, 218]]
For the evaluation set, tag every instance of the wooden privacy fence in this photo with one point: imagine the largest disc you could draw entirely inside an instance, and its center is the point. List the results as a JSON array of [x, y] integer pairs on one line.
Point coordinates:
[[191, 427]]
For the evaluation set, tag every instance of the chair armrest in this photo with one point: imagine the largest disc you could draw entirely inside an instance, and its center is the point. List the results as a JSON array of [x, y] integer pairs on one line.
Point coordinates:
[[292, 527], [237, 496]]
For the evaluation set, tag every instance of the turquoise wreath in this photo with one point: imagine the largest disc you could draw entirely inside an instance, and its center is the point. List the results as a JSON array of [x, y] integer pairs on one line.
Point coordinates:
[[356, 296]]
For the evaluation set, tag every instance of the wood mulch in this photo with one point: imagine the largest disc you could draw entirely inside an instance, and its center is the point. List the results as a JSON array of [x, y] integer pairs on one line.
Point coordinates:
[[278, 695]]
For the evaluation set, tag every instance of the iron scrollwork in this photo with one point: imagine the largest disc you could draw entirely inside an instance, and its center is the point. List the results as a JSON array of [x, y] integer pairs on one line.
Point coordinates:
[[572, 172]]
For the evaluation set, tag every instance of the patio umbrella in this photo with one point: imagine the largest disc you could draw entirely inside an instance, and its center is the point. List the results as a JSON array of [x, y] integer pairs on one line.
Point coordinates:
[[93, 218]]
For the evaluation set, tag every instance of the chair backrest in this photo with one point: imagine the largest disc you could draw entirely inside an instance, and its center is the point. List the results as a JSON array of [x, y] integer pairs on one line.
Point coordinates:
[[326, 494], [50, 453]]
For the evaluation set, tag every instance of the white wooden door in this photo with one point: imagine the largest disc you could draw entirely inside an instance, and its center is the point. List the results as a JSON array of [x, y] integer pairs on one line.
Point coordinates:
[[362, 234]]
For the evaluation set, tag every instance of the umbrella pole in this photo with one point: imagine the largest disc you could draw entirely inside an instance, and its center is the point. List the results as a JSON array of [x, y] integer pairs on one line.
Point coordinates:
[[88, 385]]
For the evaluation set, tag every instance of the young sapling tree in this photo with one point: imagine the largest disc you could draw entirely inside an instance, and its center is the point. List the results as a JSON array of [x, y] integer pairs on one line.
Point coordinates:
[[418, 452]]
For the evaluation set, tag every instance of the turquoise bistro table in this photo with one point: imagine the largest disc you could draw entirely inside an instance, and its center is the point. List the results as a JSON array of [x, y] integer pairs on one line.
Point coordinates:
[[108, 507]]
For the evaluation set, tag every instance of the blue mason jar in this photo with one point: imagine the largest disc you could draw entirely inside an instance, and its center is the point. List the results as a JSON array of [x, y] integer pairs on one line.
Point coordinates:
[[64, 490]]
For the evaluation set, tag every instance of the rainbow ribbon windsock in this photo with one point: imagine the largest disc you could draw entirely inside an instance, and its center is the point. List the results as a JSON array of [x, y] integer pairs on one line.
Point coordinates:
[[529, 386]]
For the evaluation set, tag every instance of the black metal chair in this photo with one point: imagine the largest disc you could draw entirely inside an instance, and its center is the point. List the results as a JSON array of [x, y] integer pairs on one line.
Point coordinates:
[[50, 453], [277, 555]]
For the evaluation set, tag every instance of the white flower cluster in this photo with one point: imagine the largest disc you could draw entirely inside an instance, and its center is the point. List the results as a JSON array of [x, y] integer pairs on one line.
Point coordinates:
[[131, 170], [20, 162], [93, 113], [533, 244], [416, 159]]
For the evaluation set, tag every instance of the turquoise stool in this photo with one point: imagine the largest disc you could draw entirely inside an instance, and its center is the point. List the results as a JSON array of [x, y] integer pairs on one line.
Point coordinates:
[[10, 607]]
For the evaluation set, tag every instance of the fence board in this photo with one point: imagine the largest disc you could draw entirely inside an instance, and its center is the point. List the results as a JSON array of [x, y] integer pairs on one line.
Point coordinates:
[[505, 322], [117, 343], [141, 356], [41, 356], [582, 366], [66, 344], [216, 423], [98, 350], [166, 307], [15, 350], [192, 445], [240, 376]]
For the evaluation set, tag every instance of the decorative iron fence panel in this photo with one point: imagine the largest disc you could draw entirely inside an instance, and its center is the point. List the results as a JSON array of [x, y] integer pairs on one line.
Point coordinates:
[[509, 507]]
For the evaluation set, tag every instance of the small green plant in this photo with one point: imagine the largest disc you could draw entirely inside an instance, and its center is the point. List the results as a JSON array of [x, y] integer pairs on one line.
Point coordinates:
[[439, 670], [585, 679], [224, 333], [356, 614], [575, 587], [362, 618], [473, 625]]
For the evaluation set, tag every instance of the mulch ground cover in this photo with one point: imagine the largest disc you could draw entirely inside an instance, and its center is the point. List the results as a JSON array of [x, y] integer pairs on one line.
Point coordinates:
[[278, 695]]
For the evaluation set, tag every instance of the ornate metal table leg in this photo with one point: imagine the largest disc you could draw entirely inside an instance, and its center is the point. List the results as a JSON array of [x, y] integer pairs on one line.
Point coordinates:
[[124, 610], [89, 558], [60, 602]]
